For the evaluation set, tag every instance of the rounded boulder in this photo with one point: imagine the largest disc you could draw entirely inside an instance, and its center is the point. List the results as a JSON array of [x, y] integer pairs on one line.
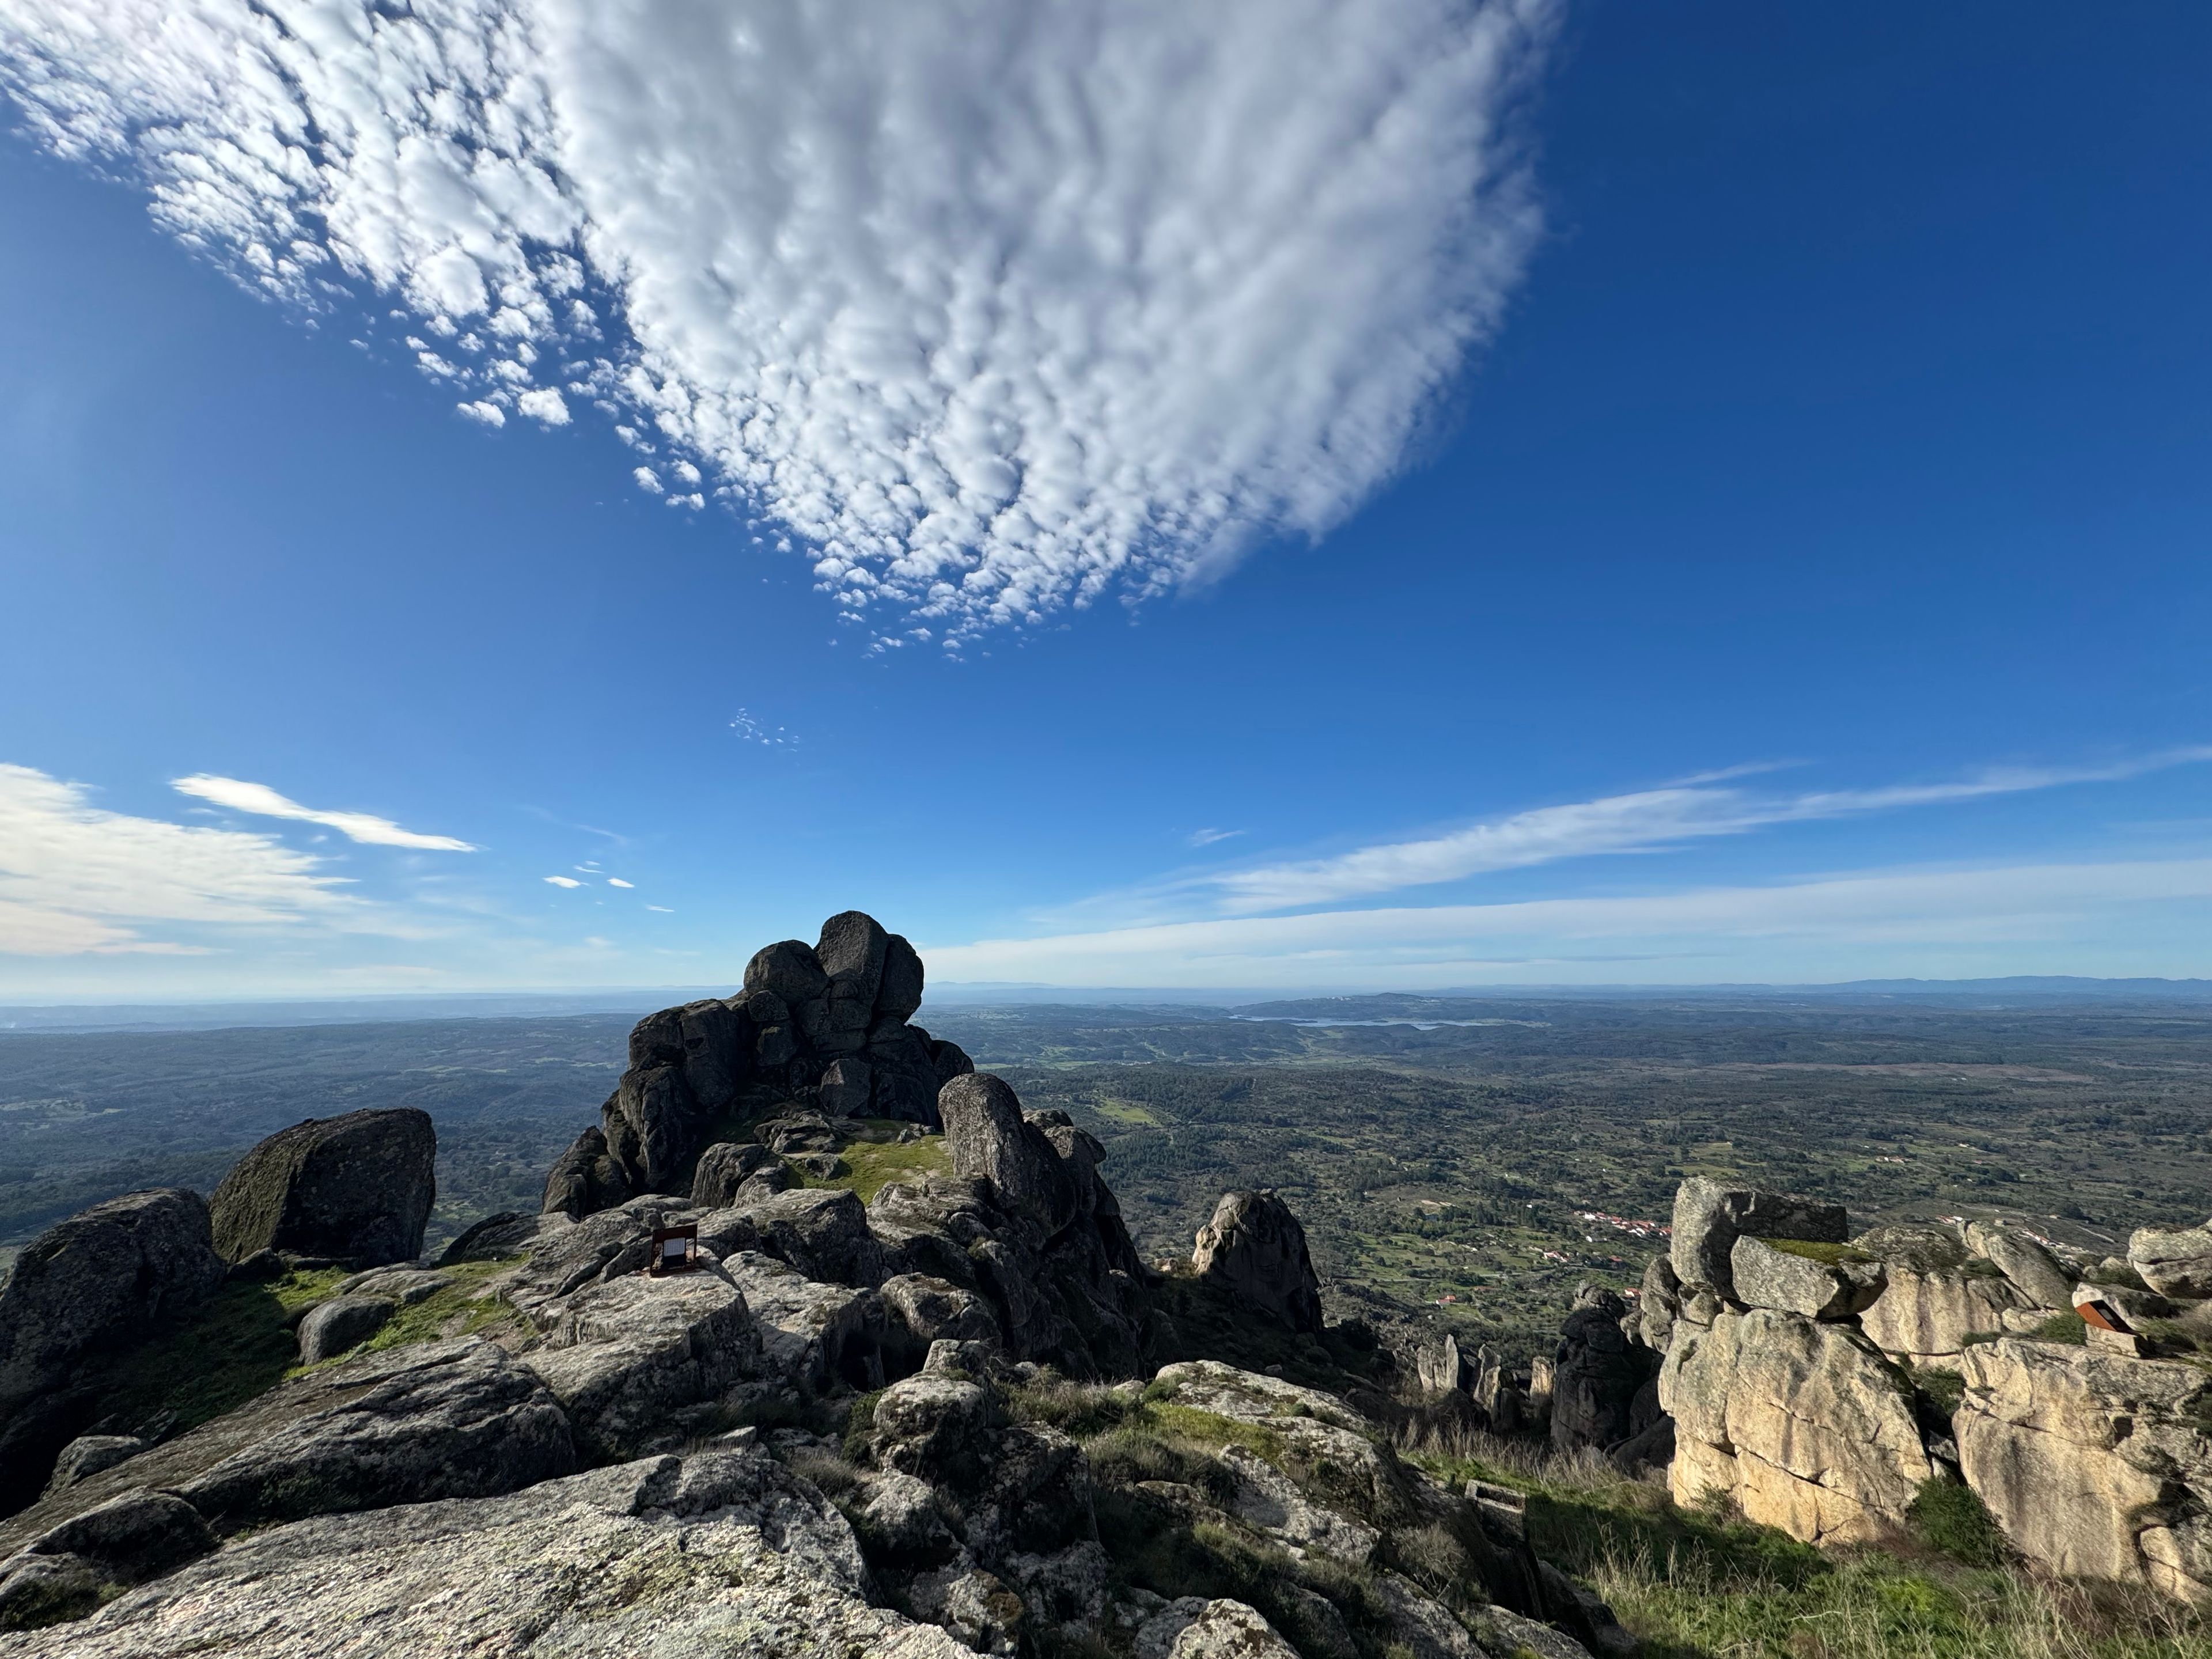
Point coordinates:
[[357, 1187]]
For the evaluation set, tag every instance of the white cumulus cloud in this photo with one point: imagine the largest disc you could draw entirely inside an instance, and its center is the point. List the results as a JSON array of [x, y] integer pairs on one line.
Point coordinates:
[[545, 405], [997, 305], [564, 881], [262, 801], [616, 881]]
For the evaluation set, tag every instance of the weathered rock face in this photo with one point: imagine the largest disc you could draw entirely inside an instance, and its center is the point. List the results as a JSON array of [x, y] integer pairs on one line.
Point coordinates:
[[720, 1553], [2093, 1465], [357, 1187], [1804, 1422], [91, 1286], [2174, 1263], [441, 1420], [1831, 1284], [1255, 1247], [988, 1139], [1937, 1294], [586, 1178], [2034, 1271], [1597, 1374], [1710, 1218], [816, 1026], [342, 1324]]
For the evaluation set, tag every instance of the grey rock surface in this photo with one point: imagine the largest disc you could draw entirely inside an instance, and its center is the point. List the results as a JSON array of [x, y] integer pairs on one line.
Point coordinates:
[[88, 1455], [2176, 1262], [1766, 1276], [641, 1364], [1254, 1246], [99, 1279], [86, 1289], [2034, 1271], [2095, 1465], [988, 1139], [342, 1324], [1709, 1218], [357, 1188], [720, 1552], [453, 1418], [723, 1168]]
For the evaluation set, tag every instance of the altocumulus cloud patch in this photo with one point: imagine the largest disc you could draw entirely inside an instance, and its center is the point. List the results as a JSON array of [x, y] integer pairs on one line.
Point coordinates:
[[995, 304]]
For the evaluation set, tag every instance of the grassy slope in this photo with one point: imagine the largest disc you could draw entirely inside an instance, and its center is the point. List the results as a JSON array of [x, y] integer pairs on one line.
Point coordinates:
[[1702, 1585]]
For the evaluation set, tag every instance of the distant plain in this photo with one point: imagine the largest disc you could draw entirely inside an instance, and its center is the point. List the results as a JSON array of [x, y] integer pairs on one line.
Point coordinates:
[[1462, 1160]]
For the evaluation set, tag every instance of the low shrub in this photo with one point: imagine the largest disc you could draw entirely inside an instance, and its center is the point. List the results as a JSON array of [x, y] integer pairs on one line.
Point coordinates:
[[1949, 1518]]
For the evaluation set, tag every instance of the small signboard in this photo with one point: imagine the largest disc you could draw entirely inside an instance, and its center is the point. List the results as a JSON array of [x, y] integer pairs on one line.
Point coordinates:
[[675, 1250], [2100, 1316]]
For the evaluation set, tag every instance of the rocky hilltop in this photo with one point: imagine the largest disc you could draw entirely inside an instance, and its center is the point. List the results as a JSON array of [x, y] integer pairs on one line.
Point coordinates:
[[820, 1345], [1834, 1385]]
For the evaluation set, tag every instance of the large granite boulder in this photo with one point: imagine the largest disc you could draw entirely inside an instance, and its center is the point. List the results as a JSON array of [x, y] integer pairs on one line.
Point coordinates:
[[2096, 1465], [1597, 1373], [2034, 1271], [641, 1364], [988, 1139], [1817, 1281], [2175, 1263], [1803, 1422], [97, 1281], [358, 1187], [586, 1178], [1254, 1247], [82, 1292], [1710, 1218], [1937, 1294]]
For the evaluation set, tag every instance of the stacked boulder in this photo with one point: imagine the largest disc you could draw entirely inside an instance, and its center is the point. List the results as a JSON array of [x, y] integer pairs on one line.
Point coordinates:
[[1781, 1402], [824, 1028], [1821, 1382]]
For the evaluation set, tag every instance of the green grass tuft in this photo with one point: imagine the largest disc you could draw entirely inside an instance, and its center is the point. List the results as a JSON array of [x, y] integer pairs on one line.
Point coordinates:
[[873, 1166], [1832, 1255], [2063, 1327]]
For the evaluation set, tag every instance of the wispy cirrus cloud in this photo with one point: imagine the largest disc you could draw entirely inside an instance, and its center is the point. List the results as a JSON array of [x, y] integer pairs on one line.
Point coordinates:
[[260, 800], [998, 307], [2124, 917], [76, 878], [1209, 838], [1645, 821]]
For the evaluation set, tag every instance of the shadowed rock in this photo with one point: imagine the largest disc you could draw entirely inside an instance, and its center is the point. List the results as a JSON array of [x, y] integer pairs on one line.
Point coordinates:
[[988, 1138], [1597, 1373], [358, 1187], [90, 1287], [1254, 1246]]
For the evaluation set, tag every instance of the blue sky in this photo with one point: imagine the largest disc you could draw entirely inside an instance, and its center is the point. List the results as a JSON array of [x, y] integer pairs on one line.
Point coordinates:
[[1709, 493]]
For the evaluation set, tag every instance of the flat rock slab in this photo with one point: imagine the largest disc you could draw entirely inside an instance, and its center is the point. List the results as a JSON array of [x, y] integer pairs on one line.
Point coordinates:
[[1771, 1276], [719, 1554], [439, 1419]]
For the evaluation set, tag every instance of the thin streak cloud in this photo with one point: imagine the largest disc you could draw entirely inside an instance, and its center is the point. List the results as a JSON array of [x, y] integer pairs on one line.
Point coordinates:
[[1646, 821], [997, 308], [261, 801]]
